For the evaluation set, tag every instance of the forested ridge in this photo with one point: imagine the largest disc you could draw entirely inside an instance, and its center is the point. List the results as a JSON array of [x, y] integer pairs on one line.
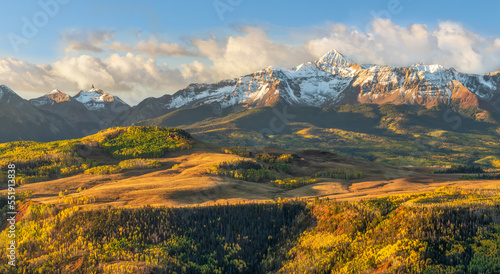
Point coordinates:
[[449, 230]]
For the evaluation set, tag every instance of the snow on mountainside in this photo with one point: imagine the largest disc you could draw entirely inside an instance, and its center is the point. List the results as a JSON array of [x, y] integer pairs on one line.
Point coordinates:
[[336, 79], [335, 62], [6, 94], [87, 111], [308, 83], [97, 99], [51, 98]]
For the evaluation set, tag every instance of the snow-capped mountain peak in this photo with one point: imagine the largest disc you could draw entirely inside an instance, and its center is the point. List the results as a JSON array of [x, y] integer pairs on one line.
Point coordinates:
[[335, 62], [335, 58], [51, 98], [97, 99], [55, 91]]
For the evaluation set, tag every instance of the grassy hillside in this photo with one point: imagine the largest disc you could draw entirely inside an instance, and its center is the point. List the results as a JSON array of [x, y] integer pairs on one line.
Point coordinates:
[[37, 161], [449, 230], [392, 134], [207, 174]]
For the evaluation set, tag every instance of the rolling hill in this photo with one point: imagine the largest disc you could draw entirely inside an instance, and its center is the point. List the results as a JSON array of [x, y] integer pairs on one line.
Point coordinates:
[[146, 199]]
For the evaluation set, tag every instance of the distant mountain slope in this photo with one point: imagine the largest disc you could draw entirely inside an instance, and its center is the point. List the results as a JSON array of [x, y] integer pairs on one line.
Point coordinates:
[[56, 115], [50, 99], [147, 109], [102, 105], [19, 120], [69, 109], [332, 80], [393, 134]]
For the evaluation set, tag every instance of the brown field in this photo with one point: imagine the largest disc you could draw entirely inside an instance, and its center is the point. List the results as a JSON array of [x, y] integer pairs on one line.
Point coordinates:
[[188, 184]]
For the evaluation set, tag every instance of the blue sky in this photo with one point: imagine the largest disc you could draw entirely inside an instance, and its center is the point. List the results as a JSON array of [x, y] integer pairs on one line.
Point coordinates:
[[173, 43]]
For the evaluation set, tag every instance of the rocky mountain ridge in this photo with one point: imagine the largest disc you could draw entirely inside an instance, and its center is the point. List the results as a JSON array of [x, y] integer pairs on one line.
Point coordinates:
[[333, 79]]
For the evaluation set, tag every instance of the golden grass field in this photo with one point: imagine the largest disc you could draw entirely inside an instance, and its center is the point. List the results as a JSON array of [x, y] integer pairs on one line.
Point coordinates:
[[188, 183]]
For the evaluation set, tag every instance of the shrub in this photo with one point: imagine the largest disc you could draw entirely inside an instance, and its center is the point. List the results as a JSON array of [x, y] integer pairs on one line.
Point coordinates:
[[289, 183], [340, 173], [242, 169], [78, 200], [100, 170], [282, 166], [139, 164], [274, 158], [240, 151]]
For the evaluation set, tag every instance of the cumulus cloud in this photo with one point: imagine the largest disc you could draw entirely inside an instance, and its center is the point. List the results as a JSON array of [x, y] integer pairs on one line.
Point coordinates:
[[84, 70], [385, 43], [24, 76], [133, 76], [152, 47], [246, 53], [89, 40], [132, 72], [494, 47]]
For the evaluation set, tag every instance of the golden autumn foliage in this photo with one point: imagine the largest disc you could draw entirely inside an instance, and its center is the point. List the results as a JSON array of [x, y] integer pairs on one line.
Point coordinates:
[[38, 161], [449, 230]]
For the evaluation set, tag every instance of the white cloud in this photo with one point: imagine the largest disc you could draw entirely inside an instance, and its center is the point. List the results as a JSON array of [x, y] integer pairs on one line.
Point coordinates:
[[84, 70], [460, 47], [152, 48], [194, 70], [28, 77], [133, 77], [494, 47], [134, 74], [449, 44], [246, 53], [90, 40]]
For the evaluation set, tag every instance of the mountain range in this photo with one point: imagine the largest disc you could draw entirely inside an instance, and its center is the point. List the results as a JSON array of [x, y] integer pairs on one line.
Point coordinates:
[[332, 80], [56, 115]]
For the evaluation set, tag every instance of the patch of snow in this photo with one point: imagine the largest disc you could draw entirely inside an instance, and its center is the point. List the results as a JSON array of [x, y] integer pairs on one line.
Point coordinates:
[[316, 91], [260, 92], [209, 95], [95, 99], [428, 68], [5, 90], [39, 101], [491, 85]]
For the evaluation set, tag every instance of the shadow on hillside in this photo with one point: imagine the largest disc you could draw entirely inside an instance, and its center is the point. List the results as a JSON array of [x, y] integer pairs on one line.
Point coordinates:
[[229, 191]]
